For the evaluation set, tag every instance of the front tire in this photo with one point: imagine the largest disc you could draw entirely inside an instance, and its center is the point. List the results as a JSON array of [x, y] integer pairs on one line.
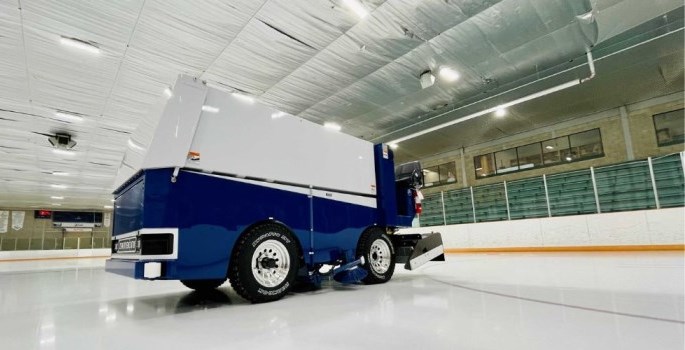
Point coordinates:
[[379, 255], [264, 263]]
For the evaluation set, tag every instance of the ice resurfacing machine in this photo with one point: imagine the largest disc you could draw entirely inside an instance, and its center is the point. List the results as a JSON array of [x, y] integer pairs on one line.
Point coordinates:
[[230, 189]]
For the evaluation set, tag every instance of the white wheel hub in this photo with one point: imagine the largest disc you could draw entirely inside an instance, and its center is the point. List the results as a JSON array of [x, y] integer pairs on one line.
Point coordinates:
[[270, 263], [379, 256]]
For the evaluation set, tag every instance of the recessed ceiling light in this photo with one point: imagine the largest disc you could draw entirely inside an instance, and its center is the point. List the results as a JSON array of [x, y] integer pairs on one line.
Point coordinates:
[[79, 44], [167, 92], [277, 115], [332, 126], [549, 147], [56, 204], [68, 117], [357, 7], [501, 112], [245, 98], [393, 146], [63, 152], [449, 74], [210, 109], [60, 173], [568, 158], [61, 187], [56, 197]]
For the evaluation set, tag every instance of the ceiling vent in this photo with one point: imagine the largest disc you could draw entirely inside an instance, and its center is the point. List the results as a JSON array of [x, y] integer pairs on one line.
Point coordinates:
[[426, 79], [62, 141]]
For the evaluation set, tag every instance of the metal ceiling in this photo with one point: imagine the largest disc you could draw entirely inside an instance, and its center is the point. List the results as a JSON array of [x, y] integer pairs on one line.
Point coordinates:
[[315, 59]]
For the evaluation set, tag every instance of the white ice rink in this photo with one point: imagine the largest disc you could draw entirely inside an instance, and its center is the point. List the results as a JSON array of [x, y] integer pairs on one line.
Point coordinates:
[[473, 301]]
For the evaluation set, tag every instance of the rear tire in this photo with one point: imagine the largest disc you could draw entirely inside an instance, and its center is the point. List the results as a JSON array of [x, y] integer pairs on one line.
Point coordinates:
[[264, 263], [379, 255], [203, 285]]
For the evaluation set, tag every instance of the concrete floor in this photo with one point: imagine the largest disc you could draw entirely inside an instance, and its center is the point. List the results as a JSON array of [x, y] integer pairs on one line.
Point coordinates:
[[474, 301]]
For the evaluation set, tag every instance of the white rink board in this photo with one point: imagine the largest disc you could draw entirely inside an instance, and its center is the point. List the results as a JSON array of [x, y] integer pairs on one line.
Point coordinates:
[[243, 139], [641, 227]]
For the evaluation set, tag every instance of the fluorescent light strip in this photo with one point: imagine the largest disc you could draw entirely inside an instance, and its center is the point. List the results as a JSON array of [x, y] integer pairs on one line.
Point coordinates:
[[501, 112], [78, 44], [63, 152], [332, 126], [278, 115], [167, 92], [135, 145], [393, 145], [356, 7], [210, 109], [244, 98], [56, 197], [61, 187], [60, 173], [108, 207], [69, 117]]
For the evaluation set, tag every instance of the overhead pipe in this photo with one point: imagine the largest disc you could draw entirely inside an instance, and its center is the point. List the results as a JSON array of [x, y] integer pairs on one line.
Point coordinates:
[[574, 82]]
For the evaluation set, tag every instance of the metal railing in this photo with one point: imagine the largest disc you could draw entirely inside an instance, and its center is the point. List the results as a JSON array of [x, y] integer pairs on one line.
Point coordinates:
[[653, 183]]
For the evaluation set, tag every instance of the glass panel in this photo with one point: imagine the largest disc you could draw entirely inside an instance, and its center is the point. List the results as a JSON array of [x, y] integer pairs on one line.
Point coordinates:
[[458, 208], [484, 165], [432, 210], [431, 176], [530, 156], [669, 127], [490, 202], [571, 193], [447, 173], [555, 150], [506, 161], [670, 182], [623, 187], [586, 144], [527, 198]]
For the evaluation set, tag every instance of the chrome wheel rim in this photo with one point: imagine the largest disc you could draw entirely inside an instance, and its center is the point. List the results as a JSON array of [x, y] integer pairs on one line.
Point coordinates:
[[270, 263], [379, 256]]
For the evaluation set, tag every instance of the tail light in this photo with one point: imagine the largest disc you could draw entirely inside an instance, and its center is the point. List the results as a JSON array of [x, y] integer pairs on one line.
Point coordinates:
[[418, 196]]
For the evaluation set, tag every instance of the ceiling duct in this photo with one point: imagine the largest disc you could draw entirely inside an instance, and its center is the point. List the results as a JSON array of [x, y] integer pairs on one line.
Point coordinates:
[[62, 140]]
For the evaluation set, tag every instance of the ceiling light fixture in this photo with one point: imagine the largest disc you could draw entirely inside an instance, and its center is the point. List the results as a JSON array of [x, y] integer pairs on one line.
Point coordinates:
[[61, 187], [167, 92], [108, 207], [79, 44], [210, 109], [68, 117], [60, 173], [56, 204], [549, 147], [135, 145], [332, 126], [245, 98], [393, 146], [357, 7], [449, 74], [500, 112], [56, 197], [63, 152], [568, 158], [277, 115]]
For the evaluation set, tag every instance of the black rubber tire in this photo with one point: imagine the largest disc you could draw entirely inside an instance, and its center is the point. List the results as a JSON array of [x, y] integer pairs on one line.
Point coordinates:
[[203, 285], [240, 270], [364, 249]]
